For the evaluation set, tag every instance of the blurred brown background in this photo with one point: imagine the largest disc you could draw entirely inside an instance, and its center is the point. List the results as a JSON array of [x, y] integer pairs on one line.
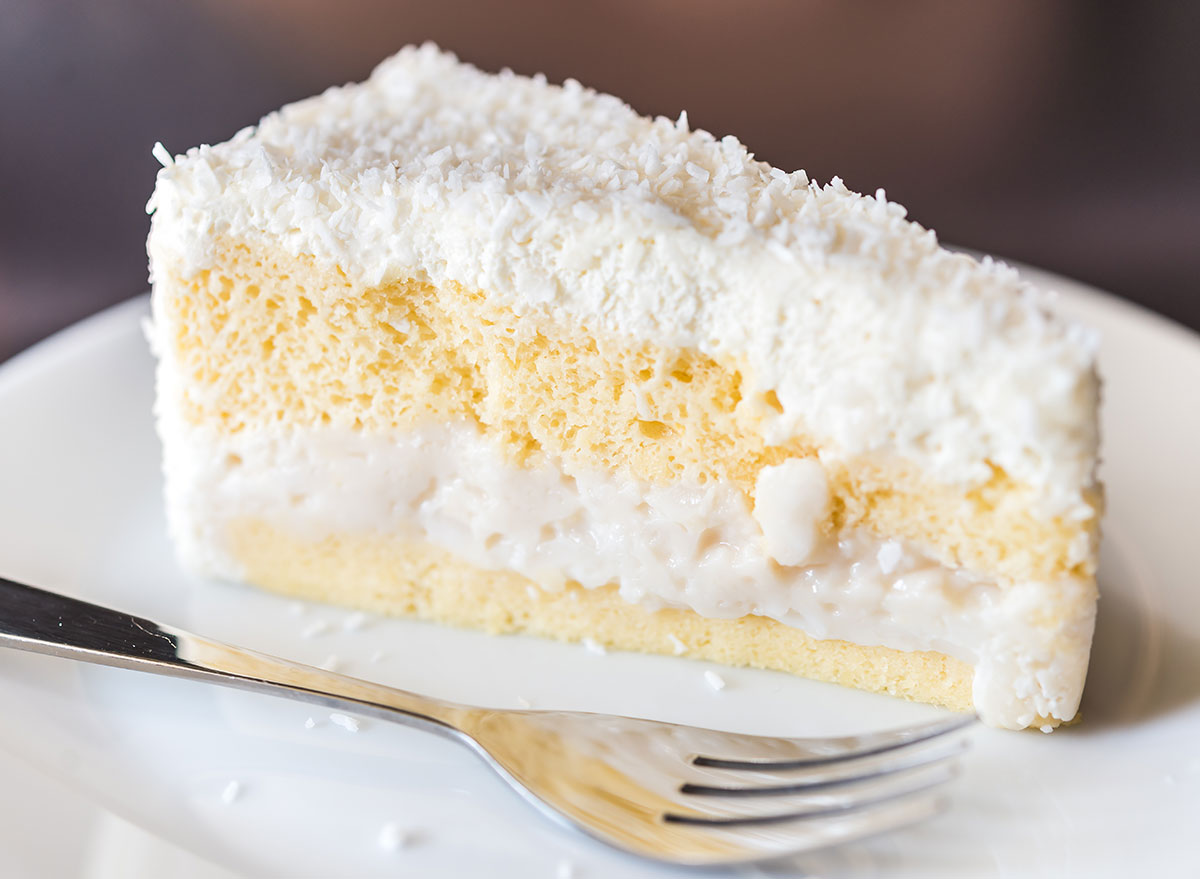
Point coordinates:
[[1064, 134]]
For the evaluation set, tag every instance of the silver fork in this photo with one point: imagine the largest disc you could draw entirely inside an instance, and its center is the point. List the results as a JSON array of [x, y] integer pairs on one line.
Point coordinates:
[[673, 793]]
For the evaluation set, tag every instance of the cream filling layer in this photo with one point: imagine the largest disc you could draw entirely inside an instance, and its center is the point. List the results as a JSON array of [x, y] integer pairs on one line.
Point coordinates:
[[687, 546]]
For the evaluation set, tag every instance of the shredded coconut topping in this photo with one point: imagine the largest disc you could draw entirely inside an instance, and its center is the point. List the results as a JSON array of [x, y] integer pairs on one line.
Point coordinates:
[[561, 199]]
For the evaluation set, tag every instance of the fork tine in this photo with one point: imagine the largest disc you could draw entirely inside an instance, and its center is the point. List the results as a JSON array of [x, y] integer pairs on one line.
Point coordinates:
[[787, 754], [733, 811], [819, 776], [763, 840], [723, 808]]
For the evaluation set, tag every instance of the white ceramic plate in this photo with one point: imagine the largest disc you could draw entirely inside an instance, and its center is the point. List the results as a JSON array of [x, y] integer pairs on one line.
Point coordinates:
[[80, 512]]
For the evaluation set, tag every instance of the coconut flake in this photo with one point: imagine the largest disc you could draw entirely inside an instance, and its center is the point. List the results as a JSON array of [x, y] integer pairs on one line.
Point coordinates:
[[161, 153], [591, 645], [345, 721], [354, 621], [315, 628], [393, 837]]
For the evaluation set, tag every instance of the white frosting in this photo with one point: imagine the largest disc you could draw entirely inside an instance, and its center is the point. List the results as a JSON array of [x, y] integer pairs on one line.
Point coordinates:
[[680, 546], [565, 200]]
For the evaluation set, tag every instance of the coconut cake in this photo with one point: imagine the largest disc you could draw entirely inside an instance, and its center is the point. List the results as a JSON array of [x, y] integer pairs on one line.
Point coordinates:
[[505, 354]]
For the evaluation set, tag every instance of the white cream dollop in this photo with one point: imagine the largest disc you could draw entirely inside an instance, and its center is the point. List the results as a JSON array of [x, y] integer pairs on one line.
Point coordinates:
[[791, 501]]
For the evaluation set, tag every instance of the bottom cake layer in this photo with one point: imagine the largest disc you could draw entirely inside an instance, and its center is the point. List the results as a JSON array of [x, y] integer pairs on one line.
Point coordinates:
[[403, 578]]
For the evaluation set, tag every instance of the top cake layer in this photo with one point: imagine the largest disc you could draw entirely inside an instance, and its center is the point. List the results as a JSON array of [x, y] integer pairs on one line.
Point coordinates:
[[871, 338]]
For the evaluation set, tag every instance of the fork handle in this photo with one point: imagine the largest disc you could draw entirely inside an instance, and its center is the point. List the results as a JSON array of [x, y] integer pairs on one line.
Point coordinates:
[[40, 621]]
